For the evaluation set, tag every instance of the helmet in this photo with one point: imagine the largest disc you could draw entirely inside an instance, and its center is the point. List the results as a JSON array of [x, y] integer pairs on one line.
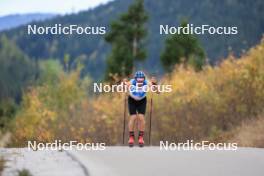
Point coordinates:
[[139, 74]]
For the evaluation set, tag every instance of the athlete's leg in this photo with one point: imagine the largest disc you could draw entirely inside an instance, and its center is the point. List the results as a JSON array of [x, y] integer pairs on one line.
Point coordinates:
[[141, 119], [141, 108], [132, 119], [131, 125], [131, 122], [132, 113], [141, 130]]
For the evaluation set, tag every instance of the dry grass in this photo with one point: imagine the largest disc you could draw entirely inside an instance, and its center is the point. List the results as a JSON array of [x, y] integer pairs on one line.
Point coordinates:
[[250, 133], [1, 165], [4, 139]]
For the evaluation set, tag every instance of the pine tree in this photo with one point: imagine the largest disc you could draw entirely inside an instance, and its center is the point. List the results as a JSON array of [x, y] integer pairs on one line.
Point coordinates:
[[16, 70], [182, 48], [127, 39]]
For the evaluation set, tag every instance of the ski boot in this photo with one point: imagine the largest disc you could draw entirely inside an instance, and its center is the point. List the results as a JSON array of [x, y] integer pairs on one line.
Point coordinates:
[[131, 141], [140, 141]]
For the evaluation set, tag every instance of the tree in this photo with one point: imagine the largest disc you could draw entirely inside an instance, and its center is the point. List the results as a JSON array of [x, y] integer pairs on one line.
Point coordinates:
[[16, 70], [16, 73], [127, 39], [182, 48]]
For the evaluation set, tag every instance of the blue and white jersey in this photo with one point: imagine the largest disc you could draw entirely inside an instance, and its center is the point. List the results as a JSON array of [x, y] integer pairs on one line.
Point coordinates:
[[138, 91]]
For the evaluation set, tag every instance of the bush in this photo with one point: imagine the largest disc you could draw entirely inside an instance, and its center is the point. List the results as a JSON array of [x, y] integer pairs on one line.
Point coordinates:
[[212, 101], [24, 172], [202, 105]]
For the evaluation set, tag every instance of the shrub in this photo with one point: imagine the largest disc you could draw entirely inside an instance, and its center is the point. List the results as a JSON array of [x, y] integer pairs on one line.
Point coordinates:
[[201, 105]]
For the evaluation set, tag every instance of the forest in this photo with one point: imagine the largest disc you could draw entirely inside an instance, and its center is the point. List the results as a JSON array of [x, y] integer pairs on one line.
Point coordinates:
[[93, 50]]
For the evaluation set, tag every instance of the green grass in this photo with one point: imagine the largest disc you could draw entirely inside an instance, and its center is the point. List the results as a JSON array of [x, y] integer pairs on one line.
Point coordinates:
[[24, 172]]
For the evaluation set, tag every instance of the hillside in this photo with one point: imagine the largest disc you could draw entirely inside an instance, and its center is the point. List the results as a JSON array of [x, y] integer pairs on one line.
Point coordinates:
[[12, 21], [93, 50]]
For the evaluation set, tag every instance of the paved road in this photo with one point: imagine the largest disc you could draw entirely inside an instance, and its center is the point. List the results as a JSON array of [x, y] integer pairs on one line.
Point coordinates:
[[150, 161], [40, 163]]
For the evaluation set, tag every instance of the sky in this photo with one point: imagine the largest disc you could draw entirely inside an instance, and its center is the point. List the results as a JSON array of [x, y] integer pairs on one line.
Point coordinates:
[[8, 7]]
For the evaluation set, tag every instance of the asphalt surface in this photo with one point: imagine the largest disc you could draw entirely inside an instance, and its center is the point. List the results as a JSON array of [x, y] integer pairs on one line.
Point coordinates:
[[151, 161]]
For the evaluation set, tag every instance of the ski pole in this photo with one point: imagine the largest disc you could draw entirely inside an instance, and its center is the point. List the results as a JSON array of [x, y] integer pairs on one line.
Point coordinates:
[[150, 117], [124, 123]]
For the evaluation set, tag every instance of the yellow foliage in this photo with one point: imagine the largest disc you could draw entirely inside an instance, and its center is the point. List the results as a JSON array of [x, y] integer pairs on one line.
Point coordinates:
[[201, 105], [216, 98]]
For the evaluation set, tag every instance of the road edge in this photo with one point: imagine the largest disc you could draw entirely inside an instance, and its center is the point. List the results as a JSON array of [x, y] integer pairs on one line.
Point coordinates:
[[74, 158]]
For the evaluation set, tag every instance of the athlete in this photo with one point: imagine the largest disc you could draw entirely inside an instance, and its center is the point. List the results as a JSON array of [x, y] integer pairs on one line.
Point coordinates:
[[137, 102]]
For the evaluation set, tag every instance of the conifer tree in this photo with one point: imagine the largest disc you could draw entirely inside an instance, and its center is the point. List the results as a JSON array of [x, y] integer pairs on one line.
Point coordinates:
[[127, 39], [182, 48]]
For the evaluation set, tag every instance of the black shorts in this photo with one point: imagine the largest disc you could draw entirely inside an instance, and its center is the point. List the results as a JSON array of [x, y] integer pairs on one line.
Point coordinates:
[[135, 106]]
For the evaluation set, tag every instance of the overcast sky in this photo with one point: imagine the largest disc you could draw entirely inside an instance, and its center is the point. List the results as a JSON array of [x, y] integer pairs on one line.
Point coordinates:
[[8, 7]]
